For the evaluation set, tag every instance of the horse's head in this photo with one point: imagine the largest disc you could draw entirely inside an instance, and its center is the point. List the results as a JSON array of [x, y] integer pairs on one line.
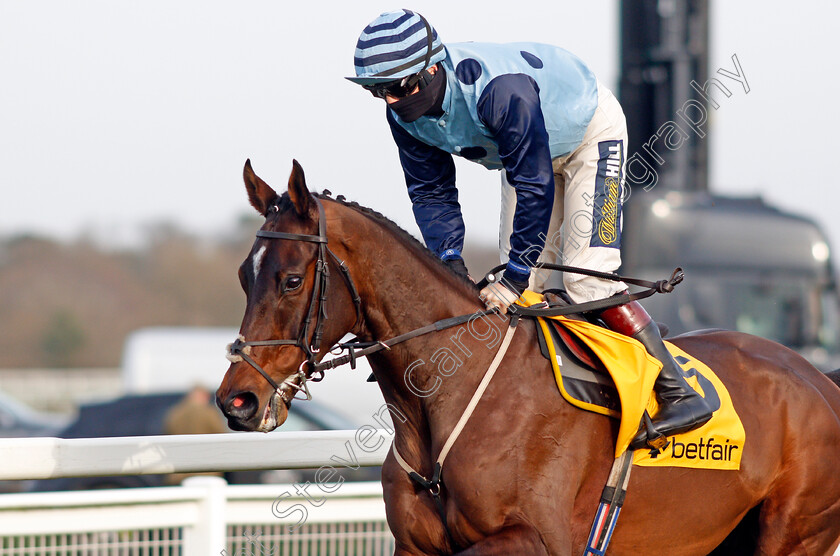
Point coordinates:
[[289, 293]]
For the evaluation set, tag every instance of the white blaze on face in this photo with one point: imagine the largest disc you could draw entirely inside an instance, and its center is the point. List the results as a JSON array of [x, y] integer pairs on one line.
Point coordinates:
[[257, 260]]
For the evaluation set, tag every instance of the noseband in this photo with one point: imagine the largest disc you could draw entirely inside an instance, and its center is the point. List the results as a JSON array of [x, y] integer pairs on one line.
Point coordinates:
[[240, 349]]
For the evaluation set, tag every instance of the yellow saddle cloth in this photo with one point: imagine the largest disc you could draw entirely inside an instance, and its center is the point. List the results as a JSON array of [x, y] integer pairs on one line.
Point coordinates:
[[716, 445]]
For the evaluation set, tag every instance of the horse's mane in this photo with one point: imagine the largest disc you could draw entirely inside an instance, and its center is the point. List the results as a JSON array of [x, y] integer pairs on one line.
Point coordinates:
[[407, 238]]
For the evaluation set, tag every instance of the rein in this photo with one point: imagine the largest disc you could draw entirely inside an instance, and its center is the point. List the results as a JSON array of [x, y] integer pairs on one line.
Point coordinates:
[[556, 309], [547, 309], [368, 348]]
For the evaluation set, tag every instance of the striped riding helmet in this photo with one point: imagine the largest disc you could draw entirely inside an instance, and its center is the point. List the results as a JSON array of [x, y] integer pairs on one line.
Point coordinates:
[[395, 45]]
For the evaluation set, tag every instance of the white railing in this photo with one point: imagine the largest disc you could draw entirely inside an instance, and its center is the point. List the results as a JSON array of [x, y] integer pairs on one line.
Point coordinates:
[[50, 458], [205, 516]]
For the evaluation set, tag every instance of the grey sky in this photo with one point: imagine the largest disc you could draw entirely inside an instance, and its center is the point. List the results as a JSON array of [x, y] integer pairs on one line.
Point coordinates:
[[116, 114]]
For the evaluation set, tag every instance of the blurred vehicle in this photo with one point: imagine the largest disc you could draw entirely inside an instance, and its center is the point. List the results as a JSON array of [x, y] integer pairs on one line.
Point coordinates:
[[18, 420], [144, 415], [748, 267], [162, 359]]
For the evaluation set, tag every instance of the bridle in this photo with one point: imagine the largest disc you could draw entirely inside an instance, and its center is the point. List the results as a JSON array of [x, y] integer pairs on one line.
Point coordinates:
[[240, 349]]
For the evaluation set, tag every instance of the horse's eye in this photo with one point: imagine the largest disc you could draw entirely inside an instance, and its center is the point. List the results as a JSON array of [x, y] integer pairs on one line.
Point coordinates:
[[292, 283]]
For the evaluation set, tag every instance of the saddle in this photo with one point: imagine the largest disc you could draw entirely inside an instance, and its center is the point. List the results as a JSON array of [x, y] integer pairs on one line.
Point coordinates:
[[583, 379], [586, 381]]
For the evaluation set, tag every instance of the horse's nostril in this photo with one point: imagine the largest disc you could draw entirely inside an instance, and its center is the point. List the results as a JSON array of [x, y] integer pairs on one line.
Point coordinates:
[[242, 405]]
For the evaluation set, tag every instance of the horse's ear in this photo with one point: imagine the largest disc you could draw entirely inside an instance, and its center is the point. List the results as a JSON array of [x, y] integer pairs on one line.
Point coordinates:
[[298, 192], [261, 195]]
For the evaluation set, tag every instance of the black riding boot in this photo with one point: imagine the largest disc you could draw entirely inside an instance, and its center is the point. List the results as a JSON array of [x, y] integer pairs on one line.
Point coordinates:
[[681, 408]]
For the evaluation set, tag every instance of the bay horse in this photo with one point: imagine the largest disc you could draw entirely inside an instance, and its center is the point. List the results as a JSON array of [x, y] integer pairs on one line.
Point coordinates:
[[527, 470]]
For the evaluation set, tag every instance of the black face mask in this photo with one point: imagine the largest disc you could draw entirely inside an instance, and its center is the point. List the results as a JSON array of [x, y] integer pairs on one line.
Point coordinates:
[[425, 102]]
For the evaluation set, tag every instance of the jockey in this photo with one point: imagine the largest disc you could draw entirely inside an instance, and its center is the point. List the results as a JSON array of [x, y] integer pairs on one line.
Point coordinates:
[[537, 113]]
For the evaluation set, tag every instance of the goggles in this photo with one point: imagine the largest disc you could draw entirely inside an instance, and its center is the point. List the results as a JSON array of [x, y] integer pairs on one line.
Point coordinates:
[[398, 89]]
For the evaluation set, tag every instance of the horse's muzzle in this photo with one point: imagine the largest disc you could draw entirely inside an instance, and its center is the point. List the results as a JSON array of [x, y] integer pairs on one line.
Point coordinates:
[[242, 412]]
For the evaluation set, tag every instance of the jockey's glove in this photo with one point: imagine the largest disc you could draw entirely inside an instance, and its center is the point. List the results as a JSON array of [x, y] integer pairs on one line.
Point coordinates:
[[457, 264], [501, 295], [516, 286]]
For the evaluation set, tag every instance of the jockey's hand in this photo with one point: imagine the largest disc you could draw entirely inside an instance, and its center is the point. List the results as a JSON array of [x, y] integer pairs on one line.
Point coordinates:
[[457, 264], [500, 295]]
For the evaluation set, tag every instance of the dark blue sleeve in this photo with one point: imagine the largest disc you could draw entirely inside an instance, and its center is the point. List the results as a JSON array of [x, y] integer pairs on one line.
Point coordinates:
[[430, 177], [510, 108]]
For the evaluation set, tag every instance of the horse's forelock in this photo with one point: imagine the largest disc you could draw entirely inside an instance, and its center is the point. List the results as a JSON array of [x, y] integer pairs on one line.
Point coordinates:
[[281, 209]]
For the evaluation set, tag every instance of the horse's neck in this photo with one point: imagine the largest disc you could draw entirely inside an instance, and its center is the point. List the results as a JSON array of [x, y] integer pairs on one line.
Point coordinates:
[[404, 290]]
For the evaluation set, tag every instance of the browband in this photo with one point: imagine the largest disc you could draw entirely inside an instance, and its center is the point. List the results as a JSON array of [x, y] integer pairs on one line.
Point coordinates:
[[286, 235]]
